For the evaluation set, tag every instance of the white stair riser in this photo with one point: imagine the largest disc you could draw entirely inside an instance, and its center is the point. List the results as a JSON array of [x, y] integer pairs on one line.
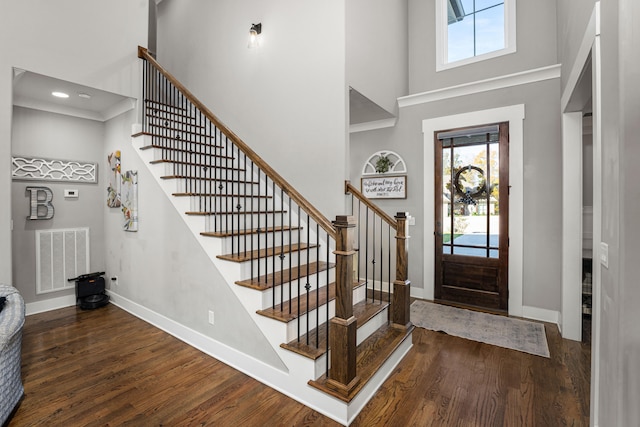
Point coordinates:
[[262, 266], [203, 171], [213, 223], [289, 292], [313, 317], [262, 240], [365, 331], [212, 186], [226, 204]]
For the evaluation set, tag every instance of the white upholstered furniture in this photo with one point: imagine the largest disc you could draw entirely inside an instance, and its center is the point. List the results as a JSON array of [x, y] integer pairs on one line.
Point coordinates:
[[11, 323]]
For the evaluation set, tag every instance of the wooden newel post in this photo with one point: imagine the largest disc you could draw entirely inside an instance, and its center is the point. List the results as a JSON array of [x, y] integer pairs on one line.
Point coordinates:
[[342, 332], [402, 285]]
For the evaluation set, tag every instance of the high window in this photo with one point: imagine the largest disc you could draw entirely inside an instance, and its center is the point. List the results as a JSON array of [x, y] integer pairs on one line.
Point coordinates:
[[473, 30]]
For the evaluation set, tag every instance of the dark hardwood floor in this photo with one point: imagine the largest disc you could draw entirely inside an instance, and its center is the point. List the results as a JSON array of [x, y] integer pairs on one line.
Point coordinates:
[[106, 367]]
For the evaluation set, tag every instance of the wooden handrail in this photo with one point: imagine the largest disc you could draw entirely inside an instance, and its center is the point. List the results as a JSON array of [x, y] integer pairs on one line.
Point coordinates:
[[350, 189], [304, 204]]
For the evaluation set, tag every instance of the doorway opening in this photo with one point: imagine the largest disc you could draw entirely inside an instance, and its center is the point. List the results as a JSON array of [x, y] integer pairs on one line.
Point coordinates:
[[472, 216]]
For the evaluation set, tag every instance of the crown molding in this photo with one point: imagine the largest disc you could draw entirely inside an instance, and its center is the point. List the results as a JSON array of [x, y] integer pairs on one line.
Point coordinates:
[[509, 80], [377, 124]]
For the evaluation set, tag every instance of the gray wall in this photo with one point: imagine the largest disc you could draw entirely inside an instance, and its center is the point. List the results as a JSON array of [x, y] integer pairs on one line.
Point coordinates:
[[542, 162], [54, 136], [286, 99], [377, 46], [618, 346], [573, 16], [536, 47]]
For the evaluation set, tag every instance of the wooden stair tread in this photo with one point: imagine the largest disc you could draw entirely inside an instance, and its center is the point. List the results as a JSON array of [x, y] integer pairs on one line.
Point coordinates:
[[208, 213], [266, 252], [278, 278], [277, 229], [306, 304], [371, 355], [170, 119], [362, 311], [171, 138], [179, 131], [179, 162], [181, 150], [203, 178], [235, 196], [153, 101]]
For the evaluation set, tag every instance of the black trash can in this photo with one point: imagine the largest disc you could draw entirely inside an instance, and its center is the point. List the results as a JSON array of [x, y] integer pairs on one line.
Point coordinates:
[[90, 291]]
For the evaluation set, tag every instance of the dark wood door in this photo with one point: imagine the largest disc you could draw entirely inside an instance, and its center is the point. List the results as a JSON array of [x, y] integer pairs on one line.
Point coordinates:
[[472, 216]]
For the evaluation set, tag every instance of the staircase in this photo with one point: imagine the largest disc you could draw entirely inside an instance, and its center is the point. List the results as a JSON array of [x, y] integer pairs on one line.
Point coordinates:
[[329, 317]]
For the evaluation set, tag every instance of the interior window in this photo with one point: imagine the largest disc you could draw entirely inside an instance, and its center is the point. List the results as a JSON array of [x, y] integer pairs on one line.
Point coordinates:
[[473, 30]]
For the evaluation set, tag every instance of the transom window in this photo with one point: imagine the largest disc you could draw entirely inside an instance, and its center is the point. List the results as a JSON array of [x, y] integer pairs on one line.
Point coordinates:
[[473, 30]]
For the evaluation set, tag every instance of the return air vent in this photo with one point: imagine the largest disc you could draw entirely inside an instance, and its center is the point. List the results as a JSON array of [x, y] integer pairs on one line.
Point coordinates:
[[60, 255]]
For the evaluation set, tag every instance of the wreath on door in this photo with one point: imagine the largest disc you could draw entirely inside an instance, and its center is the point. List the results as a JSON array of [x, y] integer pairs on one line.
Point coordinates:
[[470, 183]]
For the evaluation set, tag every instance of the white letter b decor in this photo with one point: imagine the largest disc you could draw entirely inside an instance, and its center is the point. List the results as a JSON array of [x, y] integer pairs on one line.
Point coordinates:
[[41, 207]]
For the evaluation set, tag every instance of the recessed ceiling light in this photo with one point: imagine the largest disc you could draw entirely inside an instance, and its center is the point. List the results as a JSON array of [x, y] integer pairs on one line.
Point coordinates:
[[84, 95], [60, 94]]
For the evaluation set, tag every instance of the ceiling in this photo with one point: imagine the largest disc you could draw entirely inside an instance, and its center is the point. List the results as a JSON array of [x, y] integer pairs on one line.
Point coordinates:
[[364, 110], [32, 90]]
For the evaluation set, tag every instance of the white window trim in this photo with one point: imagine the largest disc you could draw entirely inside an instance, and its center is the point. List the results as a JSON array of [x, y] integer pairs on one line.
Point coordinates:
[[442, 37]]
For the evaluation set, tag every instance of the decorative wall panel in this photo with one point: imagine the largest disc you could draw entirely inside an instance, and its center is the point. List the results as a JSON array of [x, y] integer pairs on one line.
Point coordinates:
[[53, 170]]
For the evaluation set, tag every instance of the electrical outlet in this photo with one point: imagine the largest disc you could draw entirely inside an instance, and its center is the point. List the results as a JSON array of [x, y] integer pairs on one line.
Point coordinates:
[[211, 318], [114, 280]]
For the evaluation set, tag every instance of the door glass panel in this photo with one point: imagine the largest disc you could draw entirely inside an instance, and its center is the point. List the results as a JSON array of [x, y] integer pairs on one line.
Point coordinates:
[[470, 177]]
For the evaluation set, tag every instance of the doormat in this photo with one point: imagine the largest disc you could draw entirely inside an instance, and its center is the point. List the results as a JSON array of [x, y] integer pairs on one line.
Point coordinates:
[[515, 334]]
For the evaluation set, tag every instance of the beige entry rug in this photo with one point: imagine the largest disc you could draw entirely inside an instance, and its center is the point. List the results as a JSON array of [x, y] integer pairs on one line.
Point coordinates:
[[502, 331]]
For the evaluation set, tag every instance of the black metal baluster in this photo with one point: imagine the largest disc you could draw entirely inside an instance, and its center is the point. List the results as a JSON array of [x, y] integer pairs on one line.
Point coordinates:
[[317, 274], [290, 258], [366, 253], [327, 311], [244, 192], [381, 257], [307, 286], [373, 261], [251, 187], [299, 275], [282, 250], [274, 244], [390, 248], [259, 231]]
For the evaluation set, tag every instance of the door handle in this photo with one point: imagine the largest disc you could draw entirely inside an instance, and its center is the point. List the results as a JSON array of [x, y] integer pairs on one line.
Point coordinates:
[[438, 231]]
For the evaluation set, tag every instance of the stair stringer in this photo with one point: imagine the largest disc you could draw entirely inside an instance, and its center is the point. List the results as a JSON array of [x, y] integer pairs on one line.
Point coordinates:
[[294, 381]]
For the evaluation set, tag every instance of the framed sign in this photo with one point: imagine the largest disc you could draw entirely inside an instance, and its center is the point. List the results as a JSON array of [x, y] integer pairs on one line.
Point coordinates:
[[384, 187]]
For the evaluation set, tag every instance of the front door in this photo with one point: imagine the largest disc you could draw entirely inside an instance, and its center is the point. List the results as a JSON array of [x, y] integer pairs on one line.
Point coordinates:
[[472, 216]]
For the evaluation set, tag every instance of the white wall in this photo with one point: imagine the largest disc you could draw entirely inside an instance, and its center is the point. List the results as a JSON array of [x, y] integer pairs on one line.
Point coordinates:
[[70, 43], [286, 99], [53, 136], [377, 50], [163, 268]]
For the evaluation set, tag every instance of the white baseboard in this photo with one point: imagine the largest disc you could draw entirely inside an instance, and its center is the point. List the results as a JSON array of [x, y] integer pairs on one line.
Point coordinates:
[[50, 304], [194, 338], [541, 314]]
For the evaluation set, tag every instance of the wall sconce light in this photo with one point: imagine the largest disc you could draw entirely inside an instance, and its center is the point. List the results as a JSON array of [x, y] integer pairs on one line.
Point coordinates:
[[254, 33]]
